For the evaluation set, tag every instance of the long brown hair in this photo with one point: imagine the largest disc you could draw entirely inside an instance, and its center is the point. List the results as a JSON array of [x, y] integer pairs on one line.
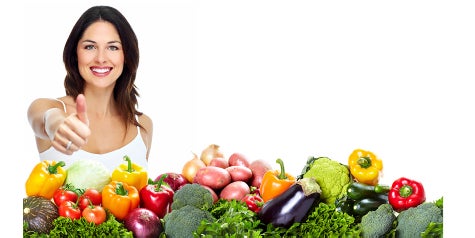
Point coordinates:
[[125, 91]]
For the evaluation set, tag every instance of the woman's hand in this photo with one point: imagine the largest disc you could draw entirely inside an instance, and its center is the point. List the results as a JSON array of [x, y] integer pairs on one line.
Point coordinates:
[[69, 134]]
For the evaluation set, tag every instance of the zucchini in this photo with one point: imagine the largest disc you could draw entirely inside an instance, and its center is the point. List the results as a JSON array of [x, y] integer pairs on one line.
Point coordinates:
[[345, 204], [358, 191], [38, 214], [365, 205]]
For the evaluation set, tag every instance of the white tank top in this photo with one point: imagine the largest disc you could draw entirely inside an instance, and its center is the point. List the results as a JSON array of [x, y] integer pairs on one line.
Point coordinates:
[[136, 150]]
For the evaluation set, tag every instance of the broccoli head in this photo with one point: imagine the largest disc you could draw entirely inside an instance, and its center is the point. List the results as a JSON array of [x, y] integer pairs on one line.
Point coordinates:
[[192, 194], [379, 222], [415, 220], [332, 176], [182, 223]]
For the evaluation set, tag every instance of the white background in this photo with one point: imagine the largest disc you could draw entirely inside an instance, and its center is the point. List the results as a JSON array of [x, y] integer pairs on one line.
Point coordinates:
[[274, 79]]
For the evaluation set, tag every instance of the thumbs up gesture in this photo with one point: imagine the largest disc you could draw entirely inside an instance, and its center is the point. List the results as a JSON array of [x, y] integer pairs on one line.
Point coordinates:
[[81, 109], [73, 132]]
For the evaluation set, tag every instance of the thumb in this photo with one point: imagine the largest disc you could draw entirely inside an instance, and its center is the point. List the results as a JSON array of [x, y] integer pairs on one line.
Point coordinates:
[[81, 108]]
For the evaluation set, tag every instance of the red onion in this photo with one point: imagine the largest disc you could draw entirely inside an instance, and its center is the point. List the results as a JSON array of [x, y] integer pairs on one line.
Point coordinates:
[[175, 180], [143, 223]]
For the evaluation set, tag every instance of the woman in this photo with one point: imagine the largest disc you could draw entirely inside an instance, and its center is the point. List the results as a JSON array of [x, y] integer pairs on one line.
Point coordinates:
[[98, 118]]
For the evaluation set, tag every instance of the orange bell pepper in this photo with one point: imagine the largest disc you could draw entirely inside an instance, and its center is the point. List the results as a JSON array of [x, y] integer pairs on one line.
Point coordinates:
[[45, 178], [130, 173], [275, 182], [120, 198]]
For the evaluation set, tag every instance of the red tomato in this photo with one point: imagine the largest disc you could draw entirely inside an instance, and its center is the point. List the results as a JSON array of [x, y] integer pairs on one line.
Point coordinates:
[[89, 196], [95, 214], [69, 209], [63, 194]]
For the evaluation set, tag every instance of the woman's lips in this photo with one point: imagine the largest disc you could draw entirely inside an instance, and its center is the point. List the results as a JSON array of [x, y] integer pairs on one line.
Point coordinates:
[[101, 71]]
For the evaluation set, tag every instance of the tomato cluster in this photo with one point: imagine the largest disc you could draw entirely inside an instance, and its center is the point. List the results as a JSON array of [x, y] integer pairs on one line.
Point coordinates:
[[76, 204]]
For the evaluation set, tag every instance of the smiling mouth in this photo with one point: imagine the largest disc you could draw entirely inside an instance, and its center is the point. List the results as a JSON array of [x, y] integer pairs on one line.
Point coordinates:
[[101, 70]]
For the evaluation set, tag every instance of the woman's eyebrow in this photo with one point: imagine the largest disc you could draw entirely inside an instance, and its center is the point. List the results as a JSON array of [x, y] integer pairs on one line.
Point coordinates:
[[88, 41], [110, 42]]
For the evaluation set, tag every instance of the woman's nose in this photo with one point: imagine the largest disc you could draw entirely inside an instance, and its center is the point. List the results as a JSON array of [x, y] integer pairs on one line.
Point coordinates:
[[101, 56]]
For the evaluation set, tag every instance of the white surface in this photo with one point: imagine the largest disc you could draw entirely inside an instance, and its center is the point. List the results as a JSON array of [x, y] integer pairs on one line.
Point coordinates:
[[271, 79]]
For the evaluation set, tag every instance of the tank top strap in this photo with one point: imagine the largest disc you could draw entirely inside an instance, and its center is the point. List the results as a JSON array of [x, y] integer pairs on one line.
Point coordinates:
[[138, 127], [64, 104]]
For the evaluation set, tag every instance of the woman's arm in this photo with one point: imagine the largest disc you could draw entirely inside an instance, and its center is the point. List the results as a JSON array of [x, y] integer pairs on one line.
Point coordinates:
[[44, 110], [49, 121]]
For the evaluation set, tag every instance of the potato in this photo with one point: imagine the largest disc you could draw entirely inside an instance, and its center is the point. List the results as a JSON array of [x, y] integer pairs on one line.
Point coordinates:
[[258, 168], [213, 193], [238, 159], [235, 190], [239, 173], [213, 177], [219, 162]]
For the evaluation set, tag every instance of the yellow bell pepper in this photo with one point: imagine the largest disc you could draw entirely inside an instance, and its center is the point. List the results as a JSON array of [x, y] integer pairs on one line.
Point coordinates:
[[120, 198], [130, 173], [365, 166], [45, 178]]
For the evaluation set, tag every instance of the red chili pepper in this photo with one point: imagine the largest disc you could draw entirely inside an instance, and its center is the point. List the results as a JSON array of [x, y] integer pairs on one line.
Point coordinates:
[[406, 193], [157, 197], [253, 201]]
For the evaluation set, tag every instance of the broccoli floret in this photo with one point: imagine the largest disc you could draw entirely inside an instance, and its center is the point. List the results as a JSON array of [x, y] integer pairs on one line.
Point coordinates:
[[183, 222], [415, 220], [378, 222], [192, 194], [332, 176]]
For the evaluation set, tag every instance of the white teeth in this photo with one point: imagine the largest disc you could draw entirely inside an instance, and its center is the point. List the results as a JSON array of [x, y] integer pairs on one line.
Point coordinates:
[[102, 70]]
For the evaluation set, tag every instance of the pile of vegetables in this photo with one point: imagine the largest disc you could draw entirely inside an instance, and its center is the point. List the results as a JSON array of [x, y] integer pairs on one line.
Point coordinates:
[[215, 196], [86, 199]]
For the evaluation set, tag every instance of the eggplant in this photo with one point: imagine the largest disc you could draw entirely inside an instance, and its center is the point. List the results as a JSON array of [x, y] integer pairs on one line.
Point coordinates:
[[293, 205]]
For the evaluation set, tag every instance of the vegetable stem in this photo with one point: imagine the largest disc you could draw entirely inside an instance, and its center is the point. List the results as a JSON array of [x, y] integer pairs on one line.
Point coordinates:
[[405, 191], [53, 169], [129, 164], [282, 174], [120, 190], [364, 162], [381, 189], [158, 184]]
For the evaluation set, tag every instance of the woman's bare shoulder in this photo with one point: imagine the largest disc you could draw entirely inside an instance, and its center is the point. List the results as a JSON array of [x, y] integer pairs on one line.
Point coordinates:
[[146, 122], [147, 131], [51, 101], [42, 103]]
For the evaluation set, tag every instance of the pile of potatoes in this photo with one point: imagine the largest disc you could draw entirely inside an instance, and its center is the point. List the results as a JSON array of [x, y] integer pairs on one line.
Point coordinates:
[[226, 178]]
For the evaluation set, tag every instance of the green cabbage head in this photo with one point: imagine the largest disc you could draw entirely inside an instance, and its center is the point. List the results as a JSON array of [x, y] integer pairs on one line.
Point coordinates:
[[86, 173]]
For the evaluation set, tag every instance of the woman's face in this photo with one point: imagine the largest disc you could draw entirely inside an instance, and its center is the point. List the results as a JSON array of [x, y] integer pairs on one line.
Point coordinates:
[[100, 55]]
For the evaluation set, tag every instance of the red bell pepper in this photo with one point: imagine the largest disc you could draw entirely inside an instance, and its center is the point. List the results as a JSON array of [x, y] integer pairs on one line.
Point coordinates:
[[157, 197], [253, 201], [406, 193]]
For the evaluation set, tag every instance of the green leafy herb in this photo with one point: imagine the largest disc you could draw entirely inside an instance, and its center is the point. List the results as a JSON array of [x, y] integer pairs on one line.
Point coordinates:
[[434, 229], [234, 219], [65, 227], [326, 221]]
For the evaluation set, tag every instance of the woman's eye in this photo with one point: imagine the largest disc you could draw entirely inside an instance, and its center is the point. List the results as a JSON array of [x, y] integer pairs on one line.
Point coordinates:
[[113, 48], [89, 47]]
